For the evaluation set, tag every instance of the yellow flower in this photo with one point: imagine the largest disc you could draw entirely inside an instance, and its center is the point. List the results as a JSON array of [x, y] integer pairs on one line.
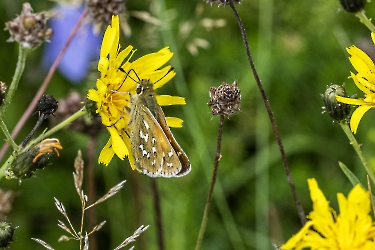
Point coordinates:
[[113, 89], [352, 229], [365, 81]]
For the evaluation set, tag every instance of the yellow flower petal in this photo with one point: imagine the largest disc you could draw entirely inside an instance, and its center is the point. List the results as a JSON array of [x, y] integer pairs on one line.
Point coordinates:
[[166, 100], [350, 100], [106, 154], [118, 144], [174, 122], [357, 116]]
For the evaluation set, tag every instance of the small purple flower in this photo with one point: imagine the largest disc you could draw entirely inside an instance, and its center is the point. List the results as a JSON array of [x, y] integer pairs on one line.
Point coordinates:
[[84, 48]]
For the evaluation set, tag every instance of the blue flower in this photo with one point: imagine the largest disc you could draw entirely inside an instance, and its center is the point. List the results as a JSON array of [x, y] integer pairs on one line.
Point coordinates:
[[84, 47]]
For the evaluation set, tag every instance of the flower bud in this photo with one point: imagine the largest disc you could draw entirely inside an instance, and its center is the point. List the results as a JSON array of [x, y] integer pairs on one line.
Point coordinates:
[[26, 163], [103, 10], [6, 234], [337, 110], [47, 105], [353, 6]]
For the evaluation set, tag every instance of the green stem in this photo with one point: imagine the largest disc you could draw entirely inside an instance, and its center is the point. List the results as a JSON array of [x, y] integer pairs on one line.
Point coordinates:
[[16, 78], [7, 135], [63, 124], [363, 18], [357, 148]]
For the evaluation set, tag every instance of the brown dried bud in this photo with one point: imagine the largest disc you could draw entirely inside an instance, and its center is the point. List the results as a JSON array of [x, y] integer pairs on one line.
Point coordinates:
[[102, 10], [29, 29], [225, 99], [47, 105], [221, 2]]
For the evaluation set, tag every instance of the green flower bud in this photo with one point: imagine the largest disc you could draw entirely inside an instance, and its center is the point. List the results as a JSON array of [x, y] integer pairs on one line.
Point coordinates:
[[6, 234], [337, 110]]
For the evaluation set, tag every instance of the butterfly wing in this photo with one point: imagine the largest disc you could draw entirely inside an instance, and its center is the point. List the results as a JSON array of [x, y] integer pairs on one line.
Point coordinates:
[[155, 151]]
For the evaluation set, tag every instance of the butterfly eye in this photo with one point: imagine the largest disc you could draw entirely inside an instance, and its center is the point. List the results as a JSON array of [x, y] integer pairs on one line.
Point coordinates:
[[139, 90]]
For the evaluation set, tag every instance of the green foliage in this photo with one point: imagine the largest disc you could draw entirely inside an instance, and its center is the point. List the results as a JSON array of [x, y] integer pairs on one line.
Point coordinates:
[[298, 49]]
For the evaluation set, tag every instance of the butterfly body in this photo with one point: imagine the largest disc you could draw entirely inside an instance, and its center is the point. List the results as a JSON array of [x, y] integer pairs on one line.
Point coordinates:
[[155, 151]]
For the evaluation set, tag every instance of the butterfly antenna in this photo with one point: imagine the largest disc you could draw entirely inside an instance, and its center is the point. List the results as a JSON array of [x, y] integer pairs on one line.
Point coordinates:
[[128, 75], [169, 71]]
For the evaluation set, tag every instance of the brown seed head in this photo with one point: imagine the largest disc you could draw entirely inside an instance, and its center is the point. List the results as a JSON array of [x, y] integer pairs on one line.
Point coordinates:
[[29, 29], [102, 10], [225, 99]]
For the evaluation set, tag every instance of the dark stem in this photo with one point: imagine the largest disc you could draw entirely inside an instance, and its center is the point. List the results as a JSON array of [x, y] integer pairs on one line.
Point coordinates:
[[91, 191], [44, 85], [297, 202], [158, 215], [41, 118], [212, 185], [138, 198]]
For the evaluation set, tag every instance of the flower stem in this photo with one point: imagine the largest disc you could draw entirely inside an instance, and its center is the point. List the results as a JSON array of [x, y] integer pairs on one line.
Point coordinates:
[[7, 135], [363, 18], [297, 202], [16, 78], [357, 148], [213, 180], [59, 126]]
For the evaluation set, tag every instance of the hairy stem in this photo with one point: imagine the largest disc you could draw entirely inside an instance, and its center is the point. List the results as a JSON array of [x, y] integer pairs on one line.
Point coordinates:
[[297, 202], [212, 185]]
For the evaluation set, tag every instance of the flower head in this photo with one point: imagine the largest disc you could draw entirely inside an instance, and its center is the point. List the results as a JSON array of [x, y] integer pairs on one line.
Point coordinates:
[[114, 88], [364, 80], [352, 229], [29, 29]]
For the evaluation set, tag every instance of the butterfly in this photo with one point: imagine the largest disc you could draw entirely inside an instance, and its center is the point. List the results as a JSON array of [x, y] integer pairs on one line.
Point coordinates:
[[155, 151]]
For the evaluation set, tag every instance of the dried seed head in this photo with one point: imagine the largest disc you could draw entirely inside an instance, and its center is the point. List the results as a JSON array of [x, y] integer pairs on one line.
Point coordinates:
[[6, 234], [102, 10], [47, 105], [337, 110], [3, 89], [37, 157], [221, 2], [353, 6], [29, 29], [225, 99]]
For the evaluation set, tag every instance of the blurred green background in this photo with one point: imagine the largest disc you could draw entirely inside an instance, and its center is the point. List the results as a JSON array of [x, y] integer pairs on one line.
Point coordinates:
[[298, 49]]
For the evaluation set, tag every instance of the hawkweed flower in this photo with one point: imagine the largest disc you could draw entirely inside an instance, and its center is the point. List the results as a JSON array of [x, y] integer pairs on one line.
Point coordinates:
[[29, 29], [364, 80], [352, 229], [114, 87], [86, 43]]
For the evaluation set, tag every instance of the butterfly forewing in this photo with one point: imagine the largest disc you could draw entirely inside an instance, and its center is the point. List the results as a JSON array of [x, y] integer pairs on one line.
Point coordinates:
[[155, 151]]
